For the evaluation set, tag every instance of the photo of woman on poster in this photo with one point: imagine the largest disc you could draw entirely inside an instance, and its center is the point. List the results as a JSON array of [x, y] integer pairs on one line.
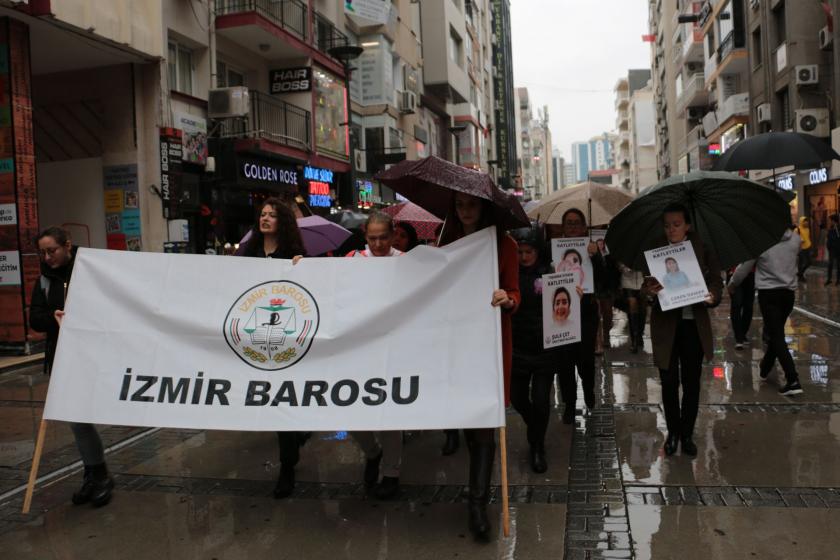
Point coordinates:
[[674, 278], [562, 306], [572, 263]]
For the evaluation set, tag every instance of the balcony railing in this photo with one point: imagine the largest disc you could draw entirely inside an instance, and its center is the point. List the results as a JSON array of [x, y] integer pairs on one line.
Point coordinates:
[[326, 35], [693, 89], [287, 14], [274, 120]]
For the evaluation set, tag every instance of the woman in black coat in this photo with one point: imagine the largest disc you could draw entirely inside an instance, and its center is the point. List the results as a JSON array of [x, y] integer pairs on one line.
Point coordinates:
[[276, 236]]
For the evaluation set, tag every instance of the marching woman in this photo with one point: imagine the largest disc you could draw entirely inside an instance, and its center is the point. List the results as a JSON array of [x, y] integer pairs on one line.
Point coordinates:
[[469, 215], [276, 236], [682, 336], [533, 368], [45, 315]]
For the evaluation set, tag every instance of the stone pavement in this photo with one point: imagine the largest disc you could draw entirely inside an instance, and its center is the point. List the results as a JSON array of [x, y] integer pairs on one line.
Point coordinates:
[[765, 484]]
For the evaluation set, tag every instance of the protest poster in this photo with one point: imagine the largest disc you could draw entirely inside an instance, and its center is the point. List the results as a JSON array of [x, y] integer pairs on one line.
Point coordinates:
[[190, 341], [570, 254], [676, 268], [561, 309], [598, 236]]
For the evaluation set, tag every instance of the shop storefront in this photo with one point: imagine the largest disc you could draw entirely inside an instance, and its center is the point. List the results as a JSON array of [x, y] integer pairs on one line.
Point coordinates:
[[820, 201]]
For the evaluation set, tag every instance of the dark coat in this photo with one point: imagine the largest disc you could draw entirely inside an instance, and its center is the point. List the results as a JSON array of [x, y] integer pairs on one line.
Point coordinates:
[[527, 323], [45, 304], [833, 242], [663, 324]]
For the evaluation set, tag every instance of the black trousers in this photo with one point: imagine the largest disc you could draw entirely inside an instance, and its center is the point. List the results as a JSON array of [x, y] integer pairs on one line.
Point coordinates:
[[741, 308], [684, 369], [833, 263], [530, 395], [580, 356], [289, 443], [776, 306], [804, 261]]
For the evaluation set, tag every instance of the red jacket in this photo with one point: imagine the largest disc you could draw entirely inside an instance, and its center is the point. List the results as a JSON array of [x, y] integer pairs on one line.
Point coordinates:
[[509, 282]]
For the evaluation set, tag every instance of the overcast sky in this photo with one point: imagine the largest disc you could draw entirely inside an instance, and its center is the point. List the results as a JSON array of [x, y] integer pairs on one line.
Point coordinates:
[[570, 53]]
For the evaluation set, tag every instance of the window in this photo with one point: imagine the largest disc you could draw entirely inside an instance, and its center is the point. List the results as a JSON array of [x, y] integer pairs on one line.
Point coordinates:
[[456, 48], [756, 50], [725, 23], [181, 70], [779, 22], [227, 76]]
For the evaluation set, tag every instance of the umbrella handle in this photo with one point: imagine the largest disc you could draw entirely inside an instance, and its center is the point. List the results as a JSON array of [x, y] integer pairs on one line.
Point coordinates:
[[442, 229]]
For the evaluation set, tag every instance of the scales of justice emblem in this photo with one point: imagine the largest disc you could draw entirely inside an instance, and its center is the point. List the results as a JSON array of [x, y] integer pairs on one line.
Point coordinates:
[[272, 325]]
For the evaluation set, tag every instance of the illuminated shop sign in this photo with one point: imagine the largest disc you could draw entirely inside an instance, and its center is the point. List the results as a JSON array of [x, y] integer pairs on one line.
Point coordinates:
[[318, 174], [291, 80], [320, 181], [365, 194], [714, 149], [265, 172], [818, 176], [785, 182]]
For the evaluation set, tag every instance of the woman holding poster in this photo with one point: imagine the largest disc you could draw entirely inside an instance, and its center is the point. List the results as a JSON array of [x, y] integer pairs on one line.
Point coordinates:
[[682, 336], [534, 367], [470, 214], [276, 236]]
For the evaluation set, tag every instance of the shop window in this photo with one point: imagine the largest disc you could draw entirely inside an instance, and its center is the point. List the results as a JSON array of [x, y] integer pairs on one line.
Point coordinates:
[[374, 147], [330, 113], [227, 76], [181, 68]]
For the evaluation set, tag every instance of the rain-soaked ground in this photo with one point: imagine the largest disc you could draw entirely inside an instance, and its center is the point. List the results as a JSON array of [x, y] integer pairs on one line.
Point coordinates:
[[765, 484]]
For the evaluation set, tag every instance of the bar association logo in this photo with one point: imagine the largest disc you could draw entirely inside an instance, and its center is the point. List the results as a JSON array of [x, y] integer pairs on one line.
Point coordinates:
[[272, 325]]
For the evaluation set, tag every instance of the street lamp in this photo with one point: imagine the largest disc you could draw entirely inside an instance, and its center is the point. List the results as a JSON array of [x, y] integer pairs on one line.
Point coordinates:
[[345, 54]]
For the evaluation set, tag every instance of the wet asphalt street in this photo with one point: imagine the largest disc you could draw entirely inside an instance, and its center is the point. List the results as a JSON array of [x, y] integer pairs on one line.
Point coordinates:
[[765, 484]]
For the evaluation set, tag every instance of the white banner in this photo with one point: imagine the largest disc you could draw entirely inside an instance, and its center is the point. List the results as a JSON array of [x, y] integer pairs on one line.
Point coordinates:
[[677, 270], [193, 341]]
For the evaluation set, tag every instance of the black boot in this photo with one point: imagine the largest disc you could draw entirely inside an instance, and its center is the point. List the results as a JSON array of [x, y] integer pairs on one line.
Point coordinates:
[[372, 470], [285, 482], [631, 329], [452, 442], [538, 462], [82, 495], [101, 485], [671, 443], [481, 468]]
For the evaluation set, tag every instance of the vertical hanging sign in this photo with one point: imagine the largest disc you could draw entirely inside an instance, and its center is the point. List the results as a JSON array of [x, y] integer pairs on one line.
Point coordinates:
[[19, 266], [171, 151]]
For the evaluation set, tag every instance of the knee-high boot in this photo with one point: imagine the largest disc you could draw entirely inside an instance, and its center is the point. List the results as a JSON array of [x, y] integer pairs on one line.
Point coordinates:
[[632, 319], [639, 329], [482, 455]]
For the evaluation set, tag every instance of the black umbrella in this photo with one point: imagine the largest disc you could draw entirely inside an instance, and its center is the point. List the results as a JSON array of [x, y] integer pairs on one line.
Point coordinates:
[[772, 150], [737, 218]]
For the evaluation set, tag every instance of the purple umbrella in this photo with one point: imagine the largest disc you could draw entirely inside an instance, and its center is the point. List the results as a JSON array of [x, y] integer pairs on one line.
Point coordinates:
[[319, 236]]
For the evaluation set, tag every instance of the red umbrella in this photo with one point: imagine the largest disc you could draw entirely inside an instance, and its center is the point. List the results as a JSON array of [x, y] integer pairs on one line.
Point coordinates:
[[423, 222], [432, 183]]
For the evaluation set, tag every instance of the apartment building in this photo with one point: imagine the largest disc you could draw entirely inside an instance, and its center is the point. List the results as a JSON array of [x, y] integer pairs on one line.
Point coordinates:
[[596, 154], [627, 103]]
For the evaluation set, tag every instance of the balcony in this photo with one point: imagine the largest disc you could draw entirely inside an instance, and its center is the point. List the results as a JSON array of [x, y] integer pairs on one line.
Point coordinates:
[[622, 98], [734, 106], [694, 93], [279, 30], [692, 48], [273, 120]]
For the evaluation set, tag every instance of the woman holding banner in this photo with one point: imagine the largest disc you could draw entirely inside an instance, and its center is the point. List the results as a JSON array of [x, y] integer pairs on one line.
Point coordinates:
[[45, 315], [469, 215], [682, 336], [276, 236]]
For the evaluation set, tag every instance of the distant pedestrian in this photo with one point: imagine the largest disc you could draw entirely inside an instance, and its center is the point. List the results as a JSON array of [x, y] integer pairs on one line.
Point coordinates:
[[631, 285], [775, 278], [832, 246], [682, 337], [276, 236], [405, 237], [383, 446], [805, 247], [742, 300], [58, 256]]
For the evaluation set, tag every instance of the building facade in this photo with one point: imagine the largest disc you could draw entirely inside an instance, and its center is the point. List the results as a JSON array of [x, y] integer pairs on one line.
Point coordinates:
[[594, 155]]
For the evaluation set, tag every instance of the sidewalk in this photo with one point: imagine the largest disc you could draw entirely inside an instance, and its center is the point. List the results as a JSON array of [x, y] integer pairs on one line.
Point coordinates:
[[813, 297]]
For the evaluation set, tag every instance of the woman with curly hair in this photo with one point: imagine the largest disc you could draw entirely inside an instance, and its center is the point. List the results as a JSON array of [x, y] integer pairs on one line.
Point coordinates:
[[276, 236]]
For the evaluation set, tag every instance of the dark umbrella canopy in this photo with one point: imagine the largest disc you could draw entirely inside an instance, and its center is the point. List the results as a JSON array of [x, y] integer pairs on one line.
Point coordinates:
[[431, 183], [772, 150], [737, 218]]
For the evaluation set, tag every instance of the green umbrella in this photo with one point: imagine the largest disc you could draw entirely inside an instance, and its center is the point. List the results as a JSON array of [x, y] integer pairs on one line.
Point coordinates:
[[737, 218]]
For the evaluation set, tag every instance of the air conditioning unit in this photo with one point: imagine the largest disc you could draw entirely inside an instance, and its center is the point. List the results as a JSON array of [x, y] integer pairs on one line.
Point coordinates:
[[826, 39], [807, 74], [813, 121], [360, 160], [407, 101], [694, 113], [763, 113], [223, 103], [693, 67]]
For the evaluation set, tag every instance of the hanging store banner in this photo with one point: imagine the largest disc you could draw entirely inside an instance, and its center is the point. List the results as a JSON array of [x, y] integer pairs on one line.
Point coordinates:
[[171, 153], [192, 341], [290, 80], [375, 11], [194, 140]]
